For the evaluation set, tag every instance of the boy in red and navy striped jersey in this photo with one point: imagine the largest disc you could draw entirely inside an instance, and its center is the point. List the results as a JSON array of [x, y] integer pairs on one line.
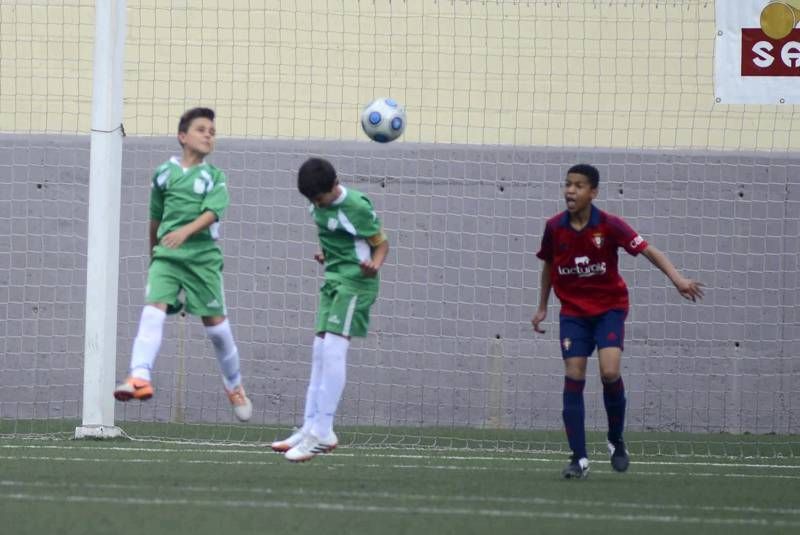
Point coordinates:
[[579, 250]]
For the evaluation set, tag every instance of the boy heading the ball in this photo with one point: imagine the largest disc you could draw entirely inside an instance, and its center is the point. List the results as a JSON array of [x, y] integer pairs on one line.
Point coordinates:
[[579, 250], [353, 249]]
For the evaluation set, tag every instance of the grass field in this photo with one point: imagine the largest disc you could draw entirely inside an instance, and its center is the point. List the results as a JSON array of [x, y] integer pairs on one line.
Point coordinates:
[[61, 486]]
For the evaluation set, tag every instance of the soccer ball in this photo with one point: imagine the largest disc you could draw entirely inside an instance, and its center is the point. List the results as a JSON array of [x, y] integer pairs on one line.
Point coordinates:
[[383, 120]]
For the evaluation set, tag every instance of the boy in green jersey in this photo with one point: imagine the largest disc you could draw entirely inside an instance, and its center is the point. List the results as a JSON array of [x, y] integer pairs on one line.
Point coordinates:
[[354, 248], [187, 199]]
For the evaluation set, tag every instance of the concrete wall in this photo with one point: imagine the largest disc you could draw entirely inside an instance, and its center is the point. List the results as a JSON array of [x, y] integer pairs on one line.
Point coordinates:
[[451, 342]]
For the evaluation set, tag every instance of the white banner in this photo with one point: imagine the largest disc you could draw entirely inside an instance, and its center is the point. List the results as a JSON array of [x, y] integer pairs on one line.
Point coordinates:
[[757, 53]]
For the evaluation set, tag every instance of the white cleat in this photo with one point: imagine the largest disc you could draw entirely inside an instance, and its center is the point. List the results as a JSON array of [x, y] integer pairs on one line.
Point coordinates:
[[242, 406], [310, 446], [282, 446]]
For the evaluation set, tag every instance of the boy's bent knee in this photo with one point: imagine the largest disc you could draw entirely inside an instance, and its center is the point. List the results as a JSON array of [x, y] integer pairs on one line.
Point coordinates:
[[610, 377], [575, 368]]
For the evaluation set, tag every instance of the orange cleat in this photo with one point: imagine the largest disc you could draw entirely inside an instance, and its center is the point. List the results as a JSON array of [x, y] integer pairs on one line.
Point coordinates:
[[242, 406], [133, 388]]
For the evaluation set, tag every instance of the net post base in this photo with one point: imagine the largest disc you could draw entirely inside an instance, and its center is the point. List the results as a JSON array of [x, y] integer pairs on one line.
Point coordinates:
[[98, 431]]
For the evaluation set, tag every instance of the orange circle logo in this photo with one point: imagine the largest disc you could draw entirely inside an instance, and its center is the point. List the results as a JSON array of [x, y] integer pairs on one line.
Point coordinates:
[[778, 19]]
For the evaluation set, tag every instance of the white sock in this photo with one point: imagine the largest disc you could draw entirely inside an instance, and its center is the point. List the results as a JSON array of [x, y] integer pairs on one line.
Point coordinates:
[[334, 372], [227, 353], [147, 342], [314, 382]]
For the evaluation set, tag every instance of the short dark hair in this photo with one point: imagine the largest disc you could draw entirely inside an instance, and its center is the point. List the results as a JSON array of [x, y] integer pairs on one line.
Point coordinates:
[[315, 177], [190, 115], [589, 171]]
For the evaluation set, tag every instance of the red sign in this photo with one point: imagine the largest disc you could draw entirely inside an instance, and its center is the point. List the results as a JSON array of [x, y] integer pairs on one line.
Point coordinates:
[[763, 56]]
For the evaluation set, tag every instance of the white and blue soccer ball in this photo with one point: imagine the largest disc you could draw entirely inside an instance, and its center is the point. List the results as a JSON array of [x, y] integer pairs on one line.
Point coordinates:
[[383, 120]]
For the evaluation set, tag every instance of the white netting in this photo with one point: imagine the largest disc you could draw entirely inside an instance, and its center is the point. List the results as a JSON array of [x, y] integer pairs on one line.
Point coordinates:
[[502, 98]]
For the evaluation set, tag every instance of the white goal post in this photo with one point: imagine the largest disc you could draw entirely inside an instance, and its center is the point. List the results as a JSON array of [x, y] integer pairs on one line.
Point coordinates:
[[102, 270]]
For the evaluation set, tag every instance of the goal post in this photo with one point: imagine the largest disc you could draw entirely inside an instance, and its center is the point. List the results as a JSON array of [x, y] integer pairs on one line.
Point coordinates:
[[105, 183]]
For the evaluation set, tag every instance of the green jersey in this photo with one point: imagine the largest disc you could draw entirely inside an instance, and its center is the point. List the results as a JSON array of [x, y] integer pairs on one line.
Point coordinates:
[[178, 197], [344, 229]]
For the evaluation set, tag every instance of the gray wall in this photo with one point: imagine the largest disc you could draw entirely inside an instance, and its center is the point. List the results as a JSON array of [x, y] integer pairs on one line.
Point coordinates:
[[450, 342]]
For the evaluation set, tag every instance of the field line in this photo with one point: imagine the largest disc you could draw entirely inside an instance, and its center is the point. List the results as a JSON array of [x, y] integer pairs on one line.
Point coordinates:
[[384, 509]]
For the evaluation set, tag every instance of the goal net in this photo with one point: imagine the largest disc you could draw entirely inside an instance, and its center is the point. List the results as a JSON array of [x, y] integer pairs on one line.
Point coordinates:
[[502, 97]]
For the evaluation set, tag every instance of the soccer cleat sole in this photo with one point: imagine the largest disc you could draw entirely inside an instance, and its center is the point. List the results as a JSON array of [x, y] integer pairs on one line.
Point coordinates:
[[142, 394], [127, 396], [283, 447], [323, 449], [303, 460]]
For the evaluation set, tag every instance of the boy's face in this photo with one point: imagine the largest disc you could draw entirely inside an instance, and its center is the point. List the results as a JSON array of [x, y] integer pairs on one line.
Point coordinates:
[[326, 199], [578, 192], [199, 137]]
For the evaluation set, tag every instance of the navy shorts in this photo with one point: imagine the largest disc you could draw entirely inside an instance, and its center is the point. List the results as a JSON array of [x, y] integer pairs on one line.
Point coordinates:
[[580, 335]]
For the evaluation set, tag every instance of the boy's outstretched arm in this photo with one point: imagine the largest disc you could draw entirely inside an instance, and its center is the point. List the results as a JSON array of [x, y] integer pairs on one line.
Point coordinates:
[[688, 288], [544, 296]]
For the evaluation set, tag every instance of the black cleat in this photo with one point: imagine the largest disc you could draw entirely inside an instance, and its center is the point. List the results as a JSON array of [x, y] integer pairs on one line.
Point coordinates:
[[619, 456], [576, 469]]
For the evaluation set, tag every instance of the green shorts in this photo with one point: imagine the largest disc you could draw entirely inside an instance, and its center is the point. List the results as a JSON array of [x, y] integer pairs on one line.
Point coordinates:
[[198, 274], [344, 310]]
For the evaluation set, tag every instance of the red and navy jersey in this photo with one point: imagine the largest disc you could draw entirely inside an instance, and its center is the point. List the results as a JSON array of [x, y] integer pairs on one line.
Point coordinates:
[[584, 263]]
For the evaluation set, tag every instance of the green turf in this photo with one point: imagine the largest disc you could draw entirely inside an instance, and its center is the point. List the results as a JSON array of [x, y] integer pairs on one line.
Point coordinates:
[[650, 442], [134, 487]]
